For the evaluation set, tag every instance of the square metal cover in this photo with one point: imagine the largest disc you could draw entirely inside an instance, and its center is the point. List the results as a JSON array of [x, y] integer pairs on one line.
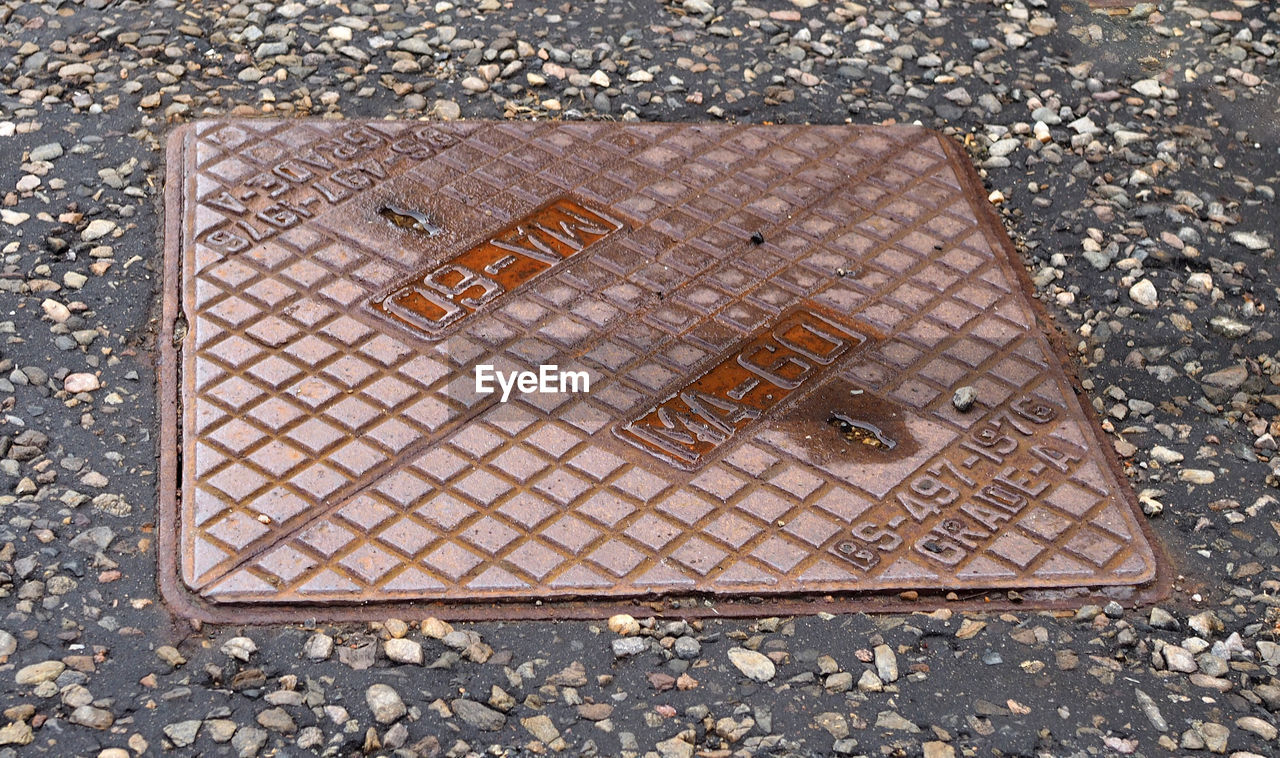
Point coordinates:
[[772, 320]]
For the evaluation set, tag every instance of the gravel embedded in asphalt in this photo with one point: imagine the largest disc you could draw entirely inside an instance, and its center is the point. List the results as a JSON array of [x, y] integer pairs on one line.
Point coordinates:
[[1132, 157]]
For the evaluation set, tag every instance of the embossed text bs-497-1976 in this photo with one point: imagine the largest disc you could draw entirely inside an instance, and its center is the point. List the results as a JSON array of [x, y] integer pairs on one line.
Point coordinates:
[[312, 180]]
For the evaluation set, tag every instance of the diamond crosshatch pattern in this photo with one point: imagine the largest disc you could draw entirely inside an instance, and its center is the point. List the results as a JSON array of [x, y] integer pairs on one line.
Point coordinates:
[[332, 455]]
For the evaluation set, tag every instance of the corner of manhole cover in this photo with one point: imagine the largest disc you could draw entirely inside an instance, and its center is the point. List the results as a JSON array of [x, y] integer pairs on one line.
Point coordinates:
[[551, 369]]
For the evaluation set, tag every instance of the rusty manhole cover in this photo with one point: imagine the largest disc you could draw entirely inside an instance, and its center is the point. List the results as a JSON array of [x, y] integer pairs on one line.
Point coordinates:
[[741, 344]]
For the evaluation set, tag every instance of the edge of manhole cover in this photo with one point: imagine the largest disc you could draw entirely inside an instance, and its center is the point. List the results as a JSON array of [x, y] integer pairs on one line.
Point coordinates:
[[900, 176]]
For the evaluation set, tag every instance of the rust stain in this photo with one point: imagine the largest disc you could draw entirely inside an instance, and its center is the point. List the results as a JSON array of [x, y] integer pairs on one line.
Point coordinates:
[[447, 294], [841, 420], [762, 374]]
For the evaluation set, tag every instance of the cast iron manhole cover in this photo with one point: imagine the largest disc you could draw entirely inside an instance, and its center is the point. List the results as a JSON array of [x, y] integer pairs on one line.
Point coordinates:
[[741, 344]]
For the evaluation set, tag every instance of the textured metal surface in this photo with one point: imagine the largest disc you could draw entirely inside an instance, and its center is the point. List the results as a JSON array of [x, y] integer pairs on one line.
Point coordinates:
[[773, 320]]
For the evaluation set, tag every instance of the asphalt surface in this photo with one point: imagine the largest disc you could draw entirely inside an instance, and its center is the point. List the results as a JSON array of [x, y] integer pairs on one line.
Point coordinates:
[[1133, 158]]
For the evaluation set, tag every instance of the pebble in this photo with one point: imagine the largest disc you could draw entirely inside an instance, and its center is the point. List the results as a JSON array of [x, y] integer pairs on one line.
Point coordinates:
[[833, 723], [841, 681], [542, 728], [239, 648], [753, 665], [1151, 711], [57, 312], [16, 733], [1229, 327], [1230, 378], [1259, 727], [1125, 138], [886, 663], [403, 651], [1178, 659], [50, 151], [1147, 87], [595, 711], [248, 740], [435, 628], [686, 648], [75, 71], [220, 730], [94, 718], [8, 644], [76, 383], [964, 398], [35, 673], [446, 110], [1144, 293], [1003, 147], [478, 715], [1197, 476], [385, 703], [1250, 240], [1162, 619], [1215, 736], [312, 737], [97, 229], [1205, 624], [895, 721], [628, 646], [676, 747], [277, 720], [183, 733], [318, 647], [624, 625]]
